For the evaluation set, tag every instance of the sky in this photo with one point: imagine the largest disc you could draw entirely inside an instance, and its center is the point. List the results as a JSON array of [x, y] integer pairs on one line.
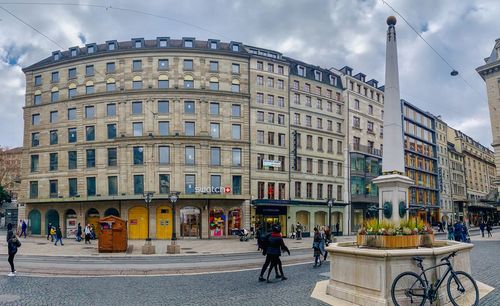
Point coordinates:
[[327, 33]]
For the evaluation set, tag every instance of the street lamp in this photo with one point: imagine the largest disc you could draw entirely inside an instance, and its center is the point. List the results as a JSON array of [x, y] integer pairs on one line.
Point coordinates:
[[148, 198], [173, 248], [330, 205]]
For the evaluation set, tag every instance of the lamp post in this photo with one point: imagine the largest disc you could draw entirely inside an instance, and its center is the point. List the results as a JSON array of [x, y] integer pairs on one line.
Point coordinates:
[[148, 198], [330, 205], [173, 248]]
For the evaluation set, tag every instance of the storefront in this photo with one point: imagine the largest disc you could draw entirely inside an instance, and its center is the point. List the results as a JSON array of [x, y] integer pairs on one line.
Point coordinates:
[[267, 216], [478, 212]]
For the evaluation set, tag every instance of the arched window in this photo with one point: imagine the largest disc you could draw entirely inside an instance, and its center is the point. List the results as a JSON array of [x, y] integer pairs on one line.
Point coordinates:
[[235, 86], [137, 82], [214, 83], [89, 87], [110, 84], [71, 90], [37, 99], [188, 82], [163, 81], [54, 94]]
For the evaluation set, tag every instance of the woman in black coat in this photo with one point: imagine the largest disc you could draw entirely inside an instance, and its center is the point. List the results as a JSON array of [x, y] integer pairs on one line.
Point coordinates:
[[12, 244]]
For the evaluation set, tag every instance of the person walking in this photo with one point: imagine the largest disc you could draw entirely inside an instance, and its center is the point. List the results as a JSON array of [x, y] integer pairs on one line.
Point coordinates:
[[87, 234], [58, 235], [79, 233], [264, 244], [489, 227], [328, 240], [276, 245], [322, 243], [317, 248], [49, 228], [299, 231], [482, 226], [337, 228], [458, 230], [12, 244], [52, 233], [24, 226], [465, 234], [451, 235]]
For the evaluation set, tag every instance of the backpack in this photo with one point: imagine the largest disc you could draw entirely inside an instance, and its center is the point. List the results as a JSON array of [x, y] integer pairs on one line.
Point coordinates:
[[264, 243], [13, 245]]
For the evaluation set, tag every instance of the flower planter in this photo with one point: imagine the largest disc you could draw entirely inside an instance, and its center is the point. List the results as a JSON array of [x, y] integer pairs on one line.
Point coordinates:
[[389, 242], [427, 240]]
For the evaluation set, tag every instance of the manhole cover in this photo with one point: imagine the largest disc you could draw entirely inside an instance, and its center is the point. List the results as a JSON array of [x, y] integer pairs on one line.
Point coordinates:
[[191, 252], [186, 248], [9, 298]]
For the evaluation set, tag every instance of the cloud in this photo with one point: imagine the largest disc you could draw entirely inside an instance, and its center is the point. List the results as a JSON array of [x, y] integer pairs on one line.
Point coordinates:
[[325, 33]]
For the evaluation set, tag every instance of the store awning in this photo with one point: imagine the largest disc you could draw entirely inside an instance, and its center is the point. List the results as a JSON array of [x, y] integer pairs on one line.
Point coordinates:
[[481, 205], [295, 202]]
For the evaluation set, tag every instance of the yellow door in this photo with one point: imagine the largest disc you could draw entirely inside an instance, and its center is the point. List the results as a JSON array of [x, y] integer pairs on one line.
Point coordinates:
[[138, 223], [163, 222], [94, 222]]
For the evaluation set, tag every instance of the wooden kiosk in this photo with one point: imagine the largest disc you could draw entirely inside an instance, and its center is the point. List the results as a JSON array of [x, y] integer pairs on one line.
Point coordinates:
[[112, 234]]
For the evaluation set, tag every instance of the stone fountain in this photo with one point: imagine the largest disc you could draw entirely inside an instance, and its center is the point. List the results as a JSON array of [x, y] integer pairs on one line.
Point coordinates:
[[363, 276]]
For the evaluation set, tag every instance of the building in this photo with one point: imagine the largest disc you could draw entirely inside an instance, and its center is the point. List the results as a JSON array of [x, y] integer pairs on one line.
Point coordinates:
[[365, 103], [317, 135], [479, 168], [457, 183], [421, 162], [445, 190], [106, 124], [10, 170]]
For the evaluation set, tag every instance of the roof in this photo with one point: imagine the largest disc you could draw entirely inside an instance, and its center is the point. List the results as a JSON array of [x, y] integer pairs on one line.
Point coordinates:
[[310, 72]]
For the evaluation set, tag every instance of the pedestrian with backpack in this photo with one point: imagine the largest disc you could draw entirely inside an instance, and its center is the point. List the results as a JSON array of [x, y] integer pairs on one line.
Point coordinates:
[[58, 235], [12, 244]]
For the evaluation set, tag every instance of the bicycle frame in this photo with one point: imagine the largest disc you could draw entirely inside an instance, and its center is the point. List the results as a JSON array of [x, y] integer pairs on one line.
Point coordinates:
[[431, 289]]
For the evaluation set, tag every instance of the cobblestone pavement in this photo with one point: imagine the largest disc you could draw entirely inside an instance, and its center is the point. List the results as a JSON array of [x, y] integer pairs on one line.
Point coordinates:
[[236, 288], [485, 261]]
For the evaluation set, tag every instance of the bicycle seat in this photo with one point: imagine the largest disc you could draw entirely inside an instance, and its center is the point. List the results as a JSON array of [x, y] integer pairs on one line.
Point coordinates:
[[418, 258]]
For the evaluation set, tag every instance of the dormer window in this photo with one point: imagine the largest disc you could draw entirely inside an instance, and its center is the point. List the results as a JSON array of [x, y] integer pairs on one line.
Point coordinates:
[[213, 45], [73, 52], [188, 43], [333, 80], [317, 75], [301, 71], [235, 48], [90, 49], [111, 46], [162, 42], [56, 55], [138, 44]]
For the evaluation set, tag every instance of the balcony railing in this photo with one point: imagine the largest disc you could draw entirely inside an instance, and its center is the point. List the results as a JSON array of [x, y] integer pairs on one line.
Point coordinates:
[[366, 149]]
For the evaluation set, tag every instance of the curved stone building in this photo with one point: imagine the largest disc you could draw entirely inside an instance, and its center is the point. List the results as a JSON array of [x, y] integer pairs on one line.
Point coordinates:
[[106, 124]]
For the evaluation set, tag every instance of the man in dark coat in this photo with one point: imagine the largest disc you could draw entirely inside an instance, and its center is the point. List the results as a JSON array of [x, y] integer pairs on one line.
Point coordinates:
[[276, 245]]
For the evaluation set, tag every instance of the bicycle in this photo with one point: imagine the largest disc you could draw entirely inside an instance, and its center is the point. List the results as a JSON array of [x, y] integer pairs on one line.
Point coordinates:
[[409, 288]]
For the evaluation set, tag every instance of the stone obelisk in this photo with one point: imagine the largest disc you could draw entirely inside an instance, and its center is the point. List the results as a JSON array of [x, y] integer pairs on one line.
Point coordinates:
[[393, 184]]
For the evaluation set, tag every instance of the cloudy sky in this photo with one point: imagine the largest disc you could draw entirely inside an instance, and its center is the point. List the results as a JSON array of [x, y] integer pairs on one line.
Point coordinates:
[[328, 33]]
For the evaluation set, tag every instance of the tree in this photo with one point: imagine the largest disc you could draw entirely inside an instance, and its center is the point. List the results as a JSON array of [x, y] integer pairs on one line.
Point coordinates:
[[4, 196]]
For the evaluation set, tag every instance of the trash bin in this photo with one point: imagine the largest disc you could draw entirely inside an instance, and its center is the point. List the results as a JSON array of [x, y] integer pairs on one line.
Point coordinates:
[[112, 234]]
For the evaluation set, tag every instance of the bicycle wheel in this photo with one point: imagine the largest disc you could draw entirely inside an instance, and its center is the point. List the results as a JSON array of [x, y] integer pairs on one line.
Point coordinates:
[[462, 290], [408, 289]]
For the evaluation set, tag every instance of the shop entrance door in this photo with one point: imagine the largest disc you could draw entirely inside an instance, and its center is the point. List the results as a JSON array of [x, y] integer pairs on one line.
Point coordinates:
[[163, 222], [35, 222], [190, 222], [138, 223]]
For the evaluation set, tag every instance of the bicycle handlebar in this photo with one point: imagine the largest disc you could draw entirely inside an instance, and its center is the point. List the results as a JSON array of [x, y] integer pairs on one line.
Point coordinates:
[[447, 258]]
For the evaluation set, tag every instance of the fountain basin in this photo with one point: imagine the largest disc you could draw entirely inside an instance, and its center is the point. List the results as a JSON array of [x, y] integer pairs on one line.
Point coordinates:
[[364, 276]]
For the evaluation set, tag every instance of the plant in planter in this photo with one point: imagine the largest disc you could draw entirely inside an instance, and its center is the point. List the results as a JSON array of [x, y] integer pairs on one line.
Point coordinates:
[[384, 234]]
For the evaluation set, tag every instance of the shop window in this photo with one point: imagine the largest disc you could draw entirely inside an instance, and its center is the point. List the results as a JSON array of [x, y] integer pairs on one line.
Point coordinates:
[[217, 221], [234, 221]]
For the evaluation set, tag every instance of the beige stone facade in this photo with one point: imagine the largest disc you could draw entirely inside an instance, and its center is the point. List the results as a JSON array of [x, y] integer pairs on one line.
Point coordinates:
[[445, 190], [10, 170]]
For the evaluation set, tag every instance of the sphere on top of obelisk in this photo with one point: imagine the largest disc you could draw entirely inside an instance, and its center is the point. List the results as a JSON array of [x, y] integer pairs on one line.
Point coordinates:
[[391, 20]]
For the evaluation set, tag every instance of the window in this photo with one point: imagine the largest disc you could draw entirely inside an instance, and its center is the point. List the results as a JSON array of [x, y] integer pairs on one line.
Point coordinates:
[[356, 104], [138, 184], [260, 161], [189, 156], [89, 70], [329, 125], [71, 73], [308, 101], [136, 65], [260, 97], [317, 75], [281, 84], [214, 109], [90, 133], [281, 119], [356, 122], [71, 135], [329, 191], [189, 183], [164, 128], [189, 107], [235, 68], [37, 99], [330, 168], [270, 138], [89, 112], [270, 82], [138, 155], [188, 43], [164, 155], [164, 180], [235, 48], [330, 145], [260, 65], [136, 108], [260, 137], [339, 147], [299, 140], [33, 189], [188, 64], [236, 157], [73, 187], [90, 154], [281, 140], [339, 109], [260, 80], [38, 80], [370, 109], [236, 131], [270, 117], [319, 123], [71, 91], [163, 82], [138, 43], [53, 162], [110, 85], [319, 191], [189, 128], [298, 187], [215, 156], [137, 128], [53, 137], [236, 110], [54, 95], [163, 107], [53, 116], [111, 130], [112, 157], [111, 46], [110, 67], [318, 90], [112, 185], [53, 190], [309, 144], [340, 168], [236, 184], [270, 191], [89, 88], [213, 45], [320, 166], [319, 104], [281, 101], [235, 86], [55, 77], [215, 130], [270, 99], [34, 163], [214, 66], [339, 127], [301, 70], [308, 121], [339, 193], [111, 110], [137, 83], [370, 126], [309, 188], [307, 88], [163, 64], [320, 144], [72, 160], [260, 116]]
